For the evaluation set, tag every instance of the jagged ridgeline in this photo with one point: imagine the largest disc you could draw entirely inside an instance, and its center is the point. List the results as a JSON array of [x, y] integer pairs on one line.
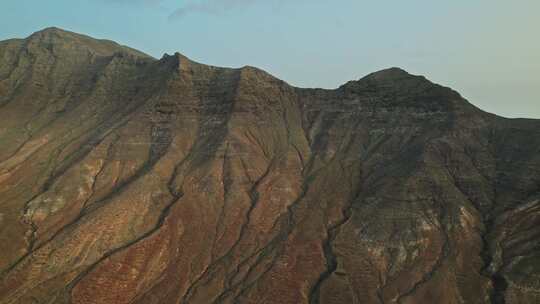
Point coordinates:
[[127, 179]]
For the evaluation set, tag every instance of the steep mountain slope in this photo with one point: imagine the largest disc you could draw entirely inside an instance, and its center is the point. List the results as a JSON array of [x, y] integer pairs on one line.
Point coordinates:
[[126, 179]]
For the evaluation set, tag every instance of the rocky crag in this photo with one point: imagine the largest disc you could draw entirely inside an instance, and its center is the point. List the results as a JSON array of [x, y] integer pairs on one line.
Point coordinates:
[[127, 179]]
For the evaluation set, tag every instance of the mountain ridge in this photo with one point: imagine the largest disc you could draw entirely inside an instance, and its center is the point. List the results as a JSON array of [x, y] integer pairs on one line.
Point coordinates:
[[395, 71]]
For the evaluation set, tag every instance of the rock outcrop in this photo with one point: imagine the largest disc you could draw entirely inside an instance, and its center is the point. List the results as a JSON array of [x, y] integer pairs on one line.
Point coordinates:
[[126, 179]]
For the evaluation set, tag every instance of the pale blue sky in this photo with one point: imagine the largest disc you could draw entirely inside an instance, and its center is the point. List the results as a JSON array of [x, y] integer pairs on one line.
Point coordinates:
[[488, 50]]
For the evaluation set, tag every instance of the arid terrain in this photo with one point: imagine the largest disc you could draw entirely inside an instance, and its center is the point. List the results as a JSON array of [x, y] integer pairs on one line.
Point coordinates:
[[128, 179]]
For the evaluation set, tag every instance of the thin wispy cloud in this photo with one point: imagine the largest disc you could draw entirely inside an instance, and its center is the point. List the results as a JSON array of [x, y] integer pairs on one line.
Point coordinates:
[[185, 8], [214, 7], [132, 2]]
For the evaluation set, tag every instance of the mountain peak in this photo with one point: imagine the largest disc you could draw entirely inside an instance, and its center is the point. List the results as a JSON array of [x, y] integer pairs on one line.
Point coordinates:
[[52, 29], [54, 36], [54, 32], [390, 73], [391, 77]]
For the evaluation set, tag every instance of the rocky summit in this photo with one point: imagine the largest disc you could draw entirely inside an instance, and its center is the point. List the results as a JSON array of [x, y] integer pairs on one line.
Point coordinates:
[[127, 179]]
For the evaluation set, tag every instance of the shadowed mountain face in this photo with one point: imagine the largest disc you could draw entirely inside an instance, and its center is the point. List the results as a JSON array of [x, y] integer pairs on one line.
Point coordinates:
[[126, 179]]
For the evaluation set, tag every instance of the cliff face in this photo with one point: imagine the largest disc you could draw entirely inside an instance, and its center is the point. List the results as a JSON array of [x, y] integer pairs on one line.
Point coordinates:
[[125, 179]]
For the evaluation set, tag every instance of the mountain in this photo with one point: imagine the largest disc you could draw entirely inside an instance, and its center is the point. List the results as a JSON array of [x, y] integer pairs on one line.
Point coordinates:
[[127, 179]]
